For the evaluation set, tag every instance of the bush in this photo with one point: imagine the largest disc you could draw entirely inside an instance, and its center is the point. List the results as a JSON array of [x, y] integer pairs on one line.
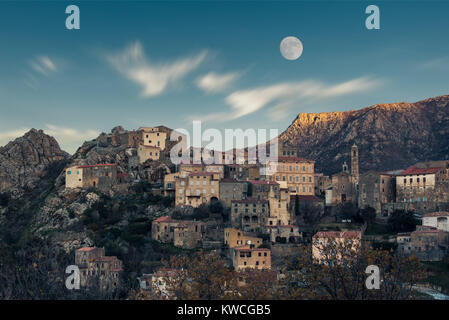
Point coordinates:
[[4, 199], [402, 221]]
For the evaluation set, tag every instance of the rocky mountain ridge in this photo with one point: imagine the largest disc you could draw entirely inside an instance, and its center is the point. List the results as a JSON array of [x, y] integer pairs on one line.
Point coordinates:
[[389, 136]]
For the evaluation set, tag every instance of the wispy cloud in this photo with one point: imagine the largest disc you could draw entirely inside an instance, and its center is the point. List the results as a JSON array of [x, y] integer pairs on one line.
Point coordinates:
[[44, 65], [281, 97], [437, 63], [213, 82], [154, 78], [68, 138]]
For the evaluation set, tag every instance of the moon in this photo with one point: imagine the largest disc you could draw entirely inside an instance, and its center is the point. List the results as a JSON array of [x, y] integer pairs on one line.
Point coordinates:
[[291, 48]]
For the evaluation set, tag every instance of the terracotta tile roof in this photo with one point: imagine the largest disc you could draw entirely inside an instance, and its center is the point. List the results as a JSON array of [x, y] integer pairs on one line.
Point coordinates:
[[165, 219], [414, 171], [338, 234], [97, 165], [436, 214]]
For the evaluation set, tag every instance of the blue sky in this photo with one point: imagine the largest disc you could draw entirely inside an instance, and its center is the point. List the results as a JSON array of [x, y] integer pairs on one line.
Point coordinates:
[[147, 63]]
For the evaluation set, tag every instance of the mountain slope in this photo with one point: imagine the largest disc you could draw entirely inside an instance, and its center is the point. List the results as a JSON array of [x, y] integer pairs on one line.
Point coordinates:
[[389, 136], [26, 160]]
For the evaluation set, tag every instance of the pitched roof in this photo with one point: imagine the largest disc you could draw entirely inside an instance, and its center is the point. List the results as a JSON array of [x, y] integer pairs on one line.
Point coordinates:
[[165, 219], [414, 171]]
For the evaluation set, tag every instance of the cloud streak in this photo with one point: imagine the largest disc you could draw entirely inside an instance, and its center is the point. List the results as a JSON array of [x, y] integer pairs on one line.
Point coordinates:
[[281, 97], [44, 65], [153, 78], [213, 82]]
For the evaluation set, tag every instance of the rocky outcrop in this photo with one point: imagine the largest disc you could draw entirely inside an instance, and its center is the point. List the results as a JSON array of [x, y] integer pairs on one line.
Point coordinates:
[[389, 136], [26, 160]]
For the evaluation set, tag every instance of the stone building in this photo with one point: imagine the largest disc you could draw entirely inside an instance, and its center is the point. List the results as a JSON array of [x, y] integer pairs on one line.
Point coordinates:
[[376, 189], [155, 136], [101, 176], [231, 189], [181, 233], [297, 173], [427, 243], [342, 188], [261, 189], [287, 150], [322, 182], [284, 234], [250, 257], [94, 265], [236, 238], [197, 188], [310, 204], [423, 189], [188, 234], [345, 184], [170, 184], [145, 153], [163, 229], [279, 202], [438, 220], [250, 215]]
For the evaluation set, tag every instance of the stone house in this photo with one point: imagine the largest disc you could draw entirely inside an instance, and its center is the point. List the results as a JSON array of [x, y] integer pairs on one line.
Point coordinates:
[[197, 188], [427, 243], [188, 234], [250, 214], [93, 264], [376, 189], [101, 176], [155, 136], [438, 220], [284, 234], [145, 153], [279, 203], [250, 257], [322, 182], [181, 233], [307, 203], [170, 184], [236, 238], [297, 173], [423, 189], [231, 189]]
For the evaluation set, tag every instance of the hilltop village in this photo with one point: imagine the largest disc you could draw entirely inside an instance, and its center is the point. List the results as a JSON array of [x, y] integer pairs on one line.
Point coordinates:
[[259, 215]]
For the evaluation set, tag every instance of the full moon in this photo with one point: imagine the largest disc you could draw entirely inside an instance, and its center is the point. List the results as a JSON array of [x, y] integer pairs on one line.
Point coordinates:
[[291, 48]]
